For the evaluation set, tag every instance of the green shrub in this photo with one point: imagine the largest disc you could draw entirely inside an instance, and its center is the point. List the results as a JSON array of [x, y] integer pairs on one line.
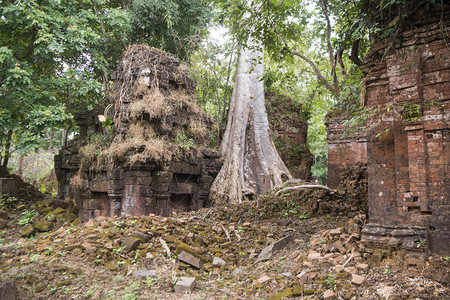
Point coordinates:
[[27, 217]]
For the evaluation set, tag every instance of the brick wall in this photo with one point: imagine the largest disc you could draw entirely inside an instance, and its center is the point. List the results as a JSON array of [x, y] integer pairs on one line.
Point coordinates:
[[289, 131], [346, 146], [408, 157]]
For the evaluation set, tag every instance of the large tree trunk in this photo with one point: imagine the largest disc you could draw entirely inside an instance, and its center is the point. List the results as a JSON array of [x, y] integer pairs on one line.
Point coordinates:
[[252, 165]]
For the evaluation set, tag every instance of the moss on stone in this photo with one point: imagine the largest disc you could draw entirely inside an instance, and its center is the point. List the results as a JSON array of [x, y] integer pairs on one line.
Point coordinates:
[[295, 291], [42, 225]]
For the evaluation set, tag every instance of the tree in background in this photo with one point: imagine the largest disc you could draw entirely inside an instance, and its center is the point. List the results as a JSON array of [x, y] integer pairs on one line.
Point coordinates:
[[213, 67], [175, 26], [57, 57], [310, 47], [252, 165], [54, 61]]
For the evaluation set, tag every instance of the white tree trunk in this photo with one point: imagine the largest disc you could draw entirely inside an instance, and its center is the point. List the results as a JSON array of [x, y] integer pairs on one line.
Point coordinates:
[[251, 165]]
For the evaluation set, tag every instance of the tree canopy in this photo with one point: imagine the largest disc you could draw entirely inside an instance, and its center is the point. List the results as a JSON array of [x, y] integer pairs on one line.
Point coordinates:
[[175, 26], [52, 54], [56, 57]]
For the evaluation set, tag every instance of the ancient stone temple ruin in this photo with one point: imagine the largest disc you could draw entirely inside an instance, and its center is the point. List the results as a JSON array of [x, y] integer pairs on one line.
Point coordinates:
[[408, 147], [156, 158], [289, 130]]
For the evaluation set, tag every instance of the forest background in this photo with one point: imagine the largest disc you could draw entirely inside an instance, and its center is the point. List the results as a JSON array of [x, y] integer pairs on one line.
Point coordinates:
[[58, 57]]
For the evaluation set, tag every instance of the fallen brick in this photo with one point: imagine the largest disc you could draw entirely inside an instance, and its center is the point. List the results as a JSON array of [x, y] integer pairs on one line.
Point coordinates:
[[358, 279], [185, 285], [190, 259], [328, 295]]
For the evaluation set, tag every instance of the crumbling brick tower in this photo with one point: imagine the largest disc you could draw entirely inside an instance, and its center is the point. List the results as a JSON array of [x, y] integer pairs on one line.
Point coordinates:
[[409, 147], [158, 161]]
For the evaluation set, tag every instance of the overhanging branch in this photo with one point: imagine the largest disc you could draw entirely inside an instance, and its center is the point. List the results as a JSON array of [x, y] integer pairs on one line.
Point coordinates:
[[310, 62]]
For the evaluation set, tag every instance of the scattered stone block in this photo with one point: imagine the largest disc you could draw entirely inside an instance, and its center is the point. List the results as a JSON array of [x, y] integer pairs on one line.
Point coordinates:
[[6, 248], [339, 259], [335, 232], [329, 295], [289, 292], [356, 254], [308, 264], [191, 259], [315, 241], [8, 291], [185, 284], [340, 247], [27, 231], [142, 236], [58, 211], [286, 274], [362, 266], [351, 270], [314, 255], [303, 276], [263, 279], [237, 272], [31, 278], [143, 274], [42, 225], [338, 268], [284, 222], [131, 243], [358, 279], [327, 256], [218, 261], [420, 289], [110, 266], [268, 251], [88, 248], [352, 238]]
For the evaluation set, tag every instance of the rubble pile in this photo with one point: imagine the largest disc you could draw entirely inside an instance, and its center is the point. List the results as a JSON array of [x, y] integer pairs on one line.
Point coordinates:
[[353, 185], [266, 248]]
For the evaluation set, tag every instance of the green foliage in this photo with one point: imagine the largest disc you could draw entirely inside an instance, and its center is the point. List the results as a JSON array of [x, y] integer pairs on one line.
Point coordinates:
[[88, 294], [421, 242], [331, 281], [171, 25], [213, 68], [411, 112], [37, 168], [184, 141], [27, 217], [149, 281], [54, 61], [131, 291], [7, 202]]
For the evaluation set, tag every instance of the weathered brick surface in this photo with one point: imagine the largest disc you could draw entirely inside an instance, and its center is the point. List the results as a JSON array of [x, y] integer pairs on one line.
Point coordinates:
[[158, 187], [346, 146], [289, 130], [408, 155]]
